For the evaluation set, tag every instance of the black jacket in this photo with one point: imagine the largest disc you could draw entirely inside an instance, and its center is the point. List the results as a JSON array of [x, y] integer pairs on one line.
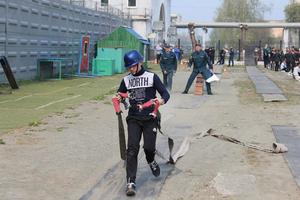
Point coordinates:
[[142, 87]]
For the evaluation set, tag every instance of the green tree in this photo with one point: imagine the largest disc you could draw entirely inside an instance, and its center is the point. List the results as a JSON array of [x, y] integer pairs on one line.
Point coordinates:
[[240, 11], [292, 12]]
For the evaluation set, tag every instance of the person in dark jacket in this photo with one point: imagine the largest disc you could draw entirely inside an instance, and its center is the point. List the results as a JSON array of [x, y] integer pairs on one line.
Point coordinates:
[[141, 87], [200, 60], [266, 56], [212, 54], [222, 54], [290, 60], [231, 57], [168, 65], [276, 59]]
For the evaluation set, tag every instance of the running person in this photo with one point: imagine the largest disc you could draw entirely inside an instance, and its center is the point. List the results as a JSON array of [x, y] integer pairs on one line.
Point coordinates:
[[141, 86]]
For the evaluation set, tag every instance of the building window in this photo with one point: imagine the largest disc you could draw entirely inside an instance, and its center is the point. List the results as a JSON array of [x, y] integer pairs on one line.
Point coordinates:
[[131, 3], [104, 2]]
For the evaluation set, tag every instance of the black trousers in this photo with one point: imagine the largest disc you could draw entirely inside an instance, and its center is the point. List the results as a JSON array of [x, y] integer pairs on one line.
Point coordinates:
[[266, 61], [230, 61], [158, 58], [277, 65], [206, 74], [136, 128]]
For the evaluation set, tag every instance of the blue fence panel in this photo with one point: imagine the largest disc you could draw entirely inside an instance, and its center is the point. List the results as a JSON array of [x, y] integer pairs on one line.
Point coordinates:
[[32, 29]]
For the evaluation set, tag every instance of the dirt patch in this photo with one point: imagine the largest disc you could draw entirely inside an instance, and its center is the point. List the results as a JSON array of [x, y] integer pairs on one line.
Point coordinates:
[[247, 93], [65, 156]]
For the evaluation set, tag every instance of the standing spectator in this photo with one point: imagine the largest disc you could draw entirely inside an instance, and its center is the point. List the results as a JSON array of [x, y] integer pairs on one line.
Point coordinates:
[[181, 54], [290, 61], [294, 61], [222, 54], [297, 56], [176, 50], [276, 59], [231, 57], [207, 51], [168, 65], [158, 50], [281, 57], [266, 56], [256, 55], [272, 61], [212, 55], [296, 72]]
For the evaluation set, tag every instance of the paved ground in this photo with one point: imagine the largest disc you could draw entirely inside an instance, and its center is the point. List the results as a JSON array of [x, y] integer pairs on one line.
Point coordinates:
[[67, 155], [290, 136]]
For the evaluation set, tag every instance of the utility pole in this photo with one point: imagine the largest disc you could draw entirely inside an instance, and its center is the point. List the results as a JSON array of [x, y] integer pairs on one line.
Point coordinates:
[[239, 58], [242, 39], [6, 31], [204, 33]]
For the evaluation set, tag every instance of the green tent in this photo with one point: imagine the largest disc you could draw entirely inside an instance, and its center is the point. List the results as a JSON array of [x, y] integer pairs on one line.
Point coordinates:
[[110, 50]]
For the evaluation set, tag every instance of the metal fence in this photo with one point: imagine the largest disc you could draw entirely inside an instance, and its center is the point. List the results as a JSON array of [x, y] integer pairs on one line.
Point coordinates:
[[32, 29]]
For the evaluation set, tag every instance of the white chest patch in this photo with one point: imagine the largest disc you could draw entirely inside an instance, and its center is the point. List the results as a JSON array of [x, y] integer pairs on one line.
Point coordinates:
[[143, 81]]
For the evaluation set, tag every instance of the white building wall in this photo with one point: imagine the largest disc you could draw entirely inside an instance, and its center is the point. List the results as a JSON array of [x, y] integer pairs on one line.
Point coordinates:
[[140, 27], [144, 14], [294, 33], [157, 4], [295, 1], [294, 38]]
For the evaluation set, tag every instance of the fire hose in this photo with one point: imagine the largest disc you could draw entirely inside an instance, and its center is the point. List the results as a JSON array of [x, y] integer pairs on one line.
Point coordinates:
[[155, 113], [276, 147]]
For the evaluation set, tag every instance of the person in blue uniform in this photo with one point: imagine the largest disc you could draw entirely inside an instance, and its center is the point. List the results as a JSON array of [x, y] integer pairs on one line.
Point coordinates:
[[266, 56], [168, 65], [141, 86], [199, 59], [231, 57]]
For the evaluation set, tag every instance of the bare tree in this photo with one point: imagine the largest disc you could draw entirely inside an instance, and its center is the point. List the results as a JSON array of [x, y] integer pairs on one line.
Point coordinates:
[[240, 11]]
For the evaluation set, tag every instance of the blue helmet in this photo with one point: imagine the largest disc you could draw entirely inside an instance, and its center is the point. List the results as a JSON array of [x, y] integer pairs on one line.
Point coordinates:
[[132, 58]]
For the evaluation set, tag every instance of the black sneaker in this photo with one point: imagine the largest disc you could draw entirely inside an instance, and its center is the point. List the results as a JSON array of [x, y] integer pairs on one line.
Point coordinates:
[[130, 189], [210, 93], [184, 92], [154, 168]]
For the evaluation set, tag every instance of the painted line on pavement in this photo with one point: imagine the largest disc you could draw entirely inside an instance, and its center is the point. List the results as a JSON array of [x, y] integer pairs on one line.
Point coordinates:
[[6, 101], [58, 101], [59, 90], [21, 98], [15, 100], [84, 84]]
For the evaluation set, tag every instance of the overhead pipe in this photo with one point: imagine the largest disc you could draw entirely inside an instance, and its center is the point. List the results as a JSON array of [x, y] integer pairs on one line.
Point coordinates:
[[237, 25]]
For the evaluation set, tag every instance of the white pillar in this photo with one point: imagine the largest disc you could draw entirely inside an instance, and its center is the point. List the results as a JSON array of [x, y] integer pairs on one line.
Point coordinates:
[[285, 39], [204, 34]]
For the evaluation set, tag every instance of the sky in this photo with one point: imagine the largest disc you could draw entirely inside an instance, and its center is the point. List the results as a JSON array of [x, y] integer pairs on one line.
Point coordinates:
[[189, 9]]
